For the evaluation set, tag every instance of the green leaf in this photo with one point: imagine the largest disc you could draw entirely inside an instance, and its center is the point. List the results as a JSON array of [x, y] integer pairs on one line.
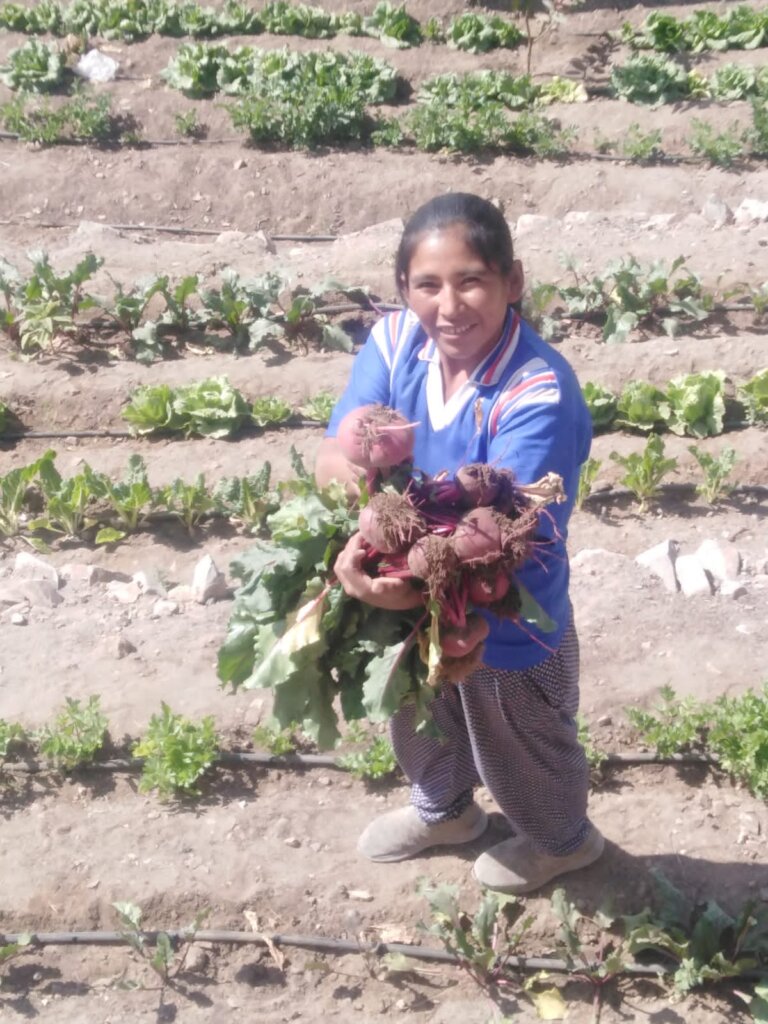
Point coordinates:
[[549, 1003], [109, 535], [532, 612]]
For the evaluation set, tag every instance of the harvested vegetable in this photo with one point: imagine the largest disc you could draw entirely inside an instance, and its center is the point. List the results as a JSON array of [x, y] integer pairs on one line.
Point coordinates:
[[294, 628]]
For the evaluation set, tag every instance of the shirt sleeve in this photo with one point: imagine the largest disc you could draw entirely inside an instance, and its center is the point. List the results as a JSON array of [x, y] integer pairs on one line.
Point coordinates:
[[550, 432], [370, 380]]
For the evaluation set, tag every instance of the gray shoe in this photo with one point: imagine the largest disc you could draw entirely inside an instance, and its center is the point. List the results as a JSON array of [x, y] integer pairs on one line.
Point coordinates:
[[516, 866], [400, 834]]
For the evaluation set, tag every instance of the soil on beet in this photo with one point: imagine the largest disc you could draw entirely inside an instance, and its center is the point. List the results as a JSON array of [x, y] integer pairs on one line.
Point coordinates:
[[273, 850]]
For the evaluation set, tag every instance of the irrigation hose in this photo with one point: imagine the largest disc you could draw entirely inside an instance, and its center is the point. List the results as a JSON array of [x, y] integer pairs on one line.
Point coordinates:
[[236, 759], [316, 943]]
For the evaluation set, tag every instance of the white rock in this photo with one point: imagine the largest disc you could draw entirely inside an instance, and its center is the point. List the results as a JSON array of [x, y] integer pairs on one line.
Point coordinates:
[[17, 619], [751, 211], [148, 581], [122, 647], [661, 560], [30, 567], [40, 593], [732, 589], [231, 238], [208, 582], [581, 217], [717, 212], [125, 593], [692, 576], [163, 608], [360, 894], [183, 593], [720, 558], [77, 572], [293, 842]]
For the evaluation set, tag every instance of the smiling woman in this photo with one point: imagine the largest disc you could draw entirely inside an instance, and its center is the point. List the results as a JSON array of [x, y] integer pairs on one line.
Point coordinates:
[[480, 387]]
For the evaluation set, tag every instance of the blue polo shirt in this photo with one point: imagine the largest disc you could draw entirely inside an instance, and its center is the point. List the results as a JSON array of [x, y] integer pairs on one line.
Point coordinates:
[[521, 409]]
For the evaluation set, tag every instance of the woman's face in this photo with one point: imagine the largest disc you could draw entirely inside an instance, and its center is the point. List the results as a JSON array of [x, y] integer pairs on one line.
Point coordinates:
[[460, 301]]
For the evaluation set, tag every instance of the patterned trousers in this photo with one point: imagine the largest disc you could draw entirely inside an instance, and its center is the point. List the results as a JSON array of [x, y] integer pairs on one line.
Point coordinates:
[[516, 734]]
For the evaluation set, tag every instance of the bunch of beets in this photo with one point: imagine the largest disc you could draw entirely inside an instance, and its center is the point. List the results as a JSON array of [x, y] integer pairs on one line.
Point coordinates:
[[458, 539]]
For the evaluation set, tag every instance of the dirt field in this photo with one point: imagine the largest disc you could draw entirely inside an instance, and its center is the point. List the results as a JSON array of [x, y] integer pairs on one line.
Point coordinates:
[[280, 844]]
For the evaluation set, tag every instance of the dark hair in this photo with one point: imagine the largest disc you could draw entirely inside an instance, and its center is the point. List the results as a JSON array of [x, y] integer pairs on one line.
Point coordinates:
[[485, 230]]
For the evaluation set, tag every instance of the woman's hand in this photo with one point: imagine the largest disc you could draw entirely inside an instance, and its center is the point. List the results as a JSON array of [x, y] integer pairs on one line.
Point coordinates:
[[381, 591]]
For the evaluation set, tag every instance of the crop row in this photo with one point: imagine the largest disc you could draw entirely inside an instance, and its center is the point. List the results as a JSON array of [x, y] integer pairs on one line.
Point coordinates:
[[40, 505], [130, 21], [428, 126], [51, 311], [742, 27], [691, 404], [731, 732]]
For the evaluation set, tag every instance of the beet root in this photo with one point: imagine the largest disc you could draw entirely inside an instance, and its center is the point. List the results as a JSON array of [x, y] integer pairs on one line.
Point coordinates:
[[433, 560], [390, 524], [376, 437]]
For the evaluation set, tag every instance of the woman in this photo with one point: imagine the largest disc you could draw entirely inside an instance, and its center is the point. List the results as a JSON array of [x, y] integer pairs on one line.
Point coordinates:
[[483, 387]]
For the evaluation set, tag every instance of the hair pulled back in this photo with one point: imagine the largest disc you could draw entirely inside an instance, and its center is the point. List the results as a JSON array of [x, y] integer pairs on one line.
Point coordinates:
[[486, 232]]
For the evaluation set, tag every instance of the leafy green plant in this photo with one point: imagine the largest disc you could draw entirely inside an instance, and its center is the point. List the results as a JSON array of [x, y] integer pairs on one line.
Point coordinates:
[[11, 734], [319, 407], [595, 756], [189, 502], [587, 476], [478, 33], [643, 147], [740, 27], [376, 761], [41, 309], [270, 410], [674, 726], [10, 950], [81, 119], [482, 942], [756, 137], [163, 958], [720, 148], [242, 307], [70, 502], [754, 395], [694, 404], [716, 470], [393, 26], [188, 126], [247, 499], [177, 752], [34, 67], [129, 499], [277, 741], [77, 735], [650, 80], [639, 406], [643, 473], [602, 404], [14, 486], [151, 410], [707, 943], [210, 408]]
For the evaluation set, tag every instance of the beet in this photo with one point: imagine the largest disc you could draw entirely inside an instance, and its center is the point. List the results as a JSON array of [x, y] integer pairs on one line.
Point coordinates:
[[457, 642], [433, 559], [479, 484], [376, 437], [390, 524], [486, 585]]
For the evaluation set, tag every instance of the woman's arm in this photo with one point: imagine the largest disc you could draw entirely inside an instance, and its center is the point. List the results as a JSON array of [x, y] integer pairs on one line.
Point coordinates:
[[330, 465]]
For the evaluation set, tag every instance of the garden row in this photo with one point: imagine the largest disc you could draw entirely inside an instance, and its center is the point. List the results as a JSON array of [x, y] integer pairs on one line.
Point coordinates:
[[201, 71], [691, 404], [275, 121], [392, 25], [38, 504], [460, 113], [51, 311], [730, 733], [682, 944], [741, 27]]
